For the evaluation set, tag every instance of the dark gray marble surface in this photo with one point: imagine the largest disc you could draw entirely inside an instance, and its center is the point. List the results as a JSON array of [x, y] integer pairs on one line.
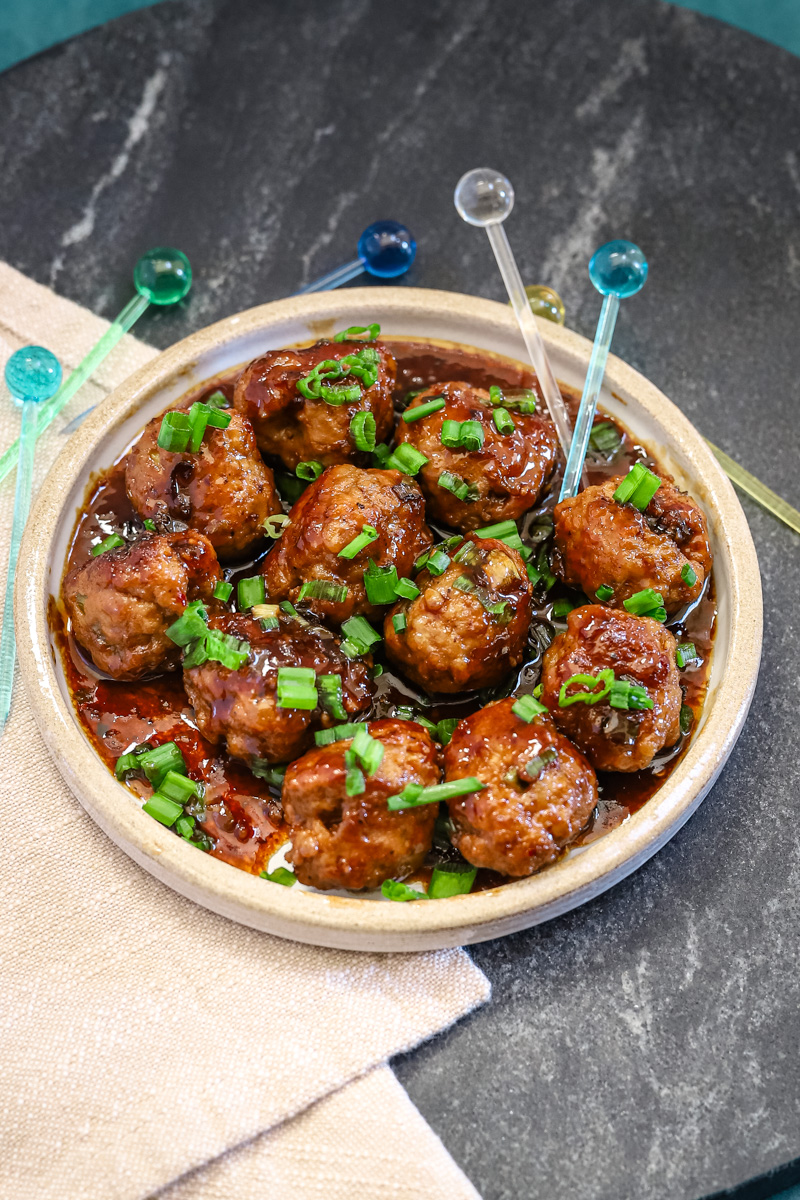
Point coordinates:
[[645, 1046]]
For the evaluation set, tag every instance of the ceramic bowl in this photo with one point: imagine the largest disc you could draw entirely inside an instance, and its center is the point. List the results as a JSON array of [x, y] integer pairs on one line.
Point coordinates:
[[354, 923]]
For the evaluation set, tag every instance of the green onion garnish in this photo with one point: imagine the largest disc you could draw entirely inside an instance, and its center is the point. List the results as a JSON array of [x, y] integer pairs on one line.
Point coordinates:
[[178, 787], [451, 879], [438, 562], [688, 575], [337, 733], [224, 649], [174, 433], [472, 435], [355, 331], [360, 634], [646, 603], [605, 437], [534, 768], [685, 653], [604, 679], [222, 590], [112, 542], [503, 421], [368, 534], [268, 624], [405, 589], [281, 875], [380, 454], [399, 622], [330, 696], [262, 769], [184, 826], [501, 530], [464, 584], [451, 434], [562, 607], [310, 470], [458, 486], [638, 487], [406, 458], [217, 399], [156, 763], [380, 583], [322, 589], [367, 749], [164, 810], [605, 592], [444, 729], [686, 718], [433, 795], [391, 889], [275, 525], [363, 431], [296, 688], [149, 525], [495, 394], [625, 694], [424, 410], [526, 708], [250, 591], [354, 782], [128, 762], [190, 624]]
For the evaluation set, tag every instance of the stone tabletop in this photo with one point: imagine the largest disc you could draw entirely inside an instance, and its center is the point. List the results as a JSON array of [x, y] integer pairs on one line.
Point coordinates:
[[645, 1046]]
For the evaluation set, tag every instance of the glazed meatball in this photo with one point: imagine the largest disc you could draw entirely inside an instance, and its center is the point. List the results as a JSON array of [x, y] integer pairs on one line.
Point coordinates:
[[506, 476], [355, 842], [600, 541], [122, 602], [296, 429], [468, 627], [242, 706], [540, 791], [329, 515], [637, 649], [224, 490]]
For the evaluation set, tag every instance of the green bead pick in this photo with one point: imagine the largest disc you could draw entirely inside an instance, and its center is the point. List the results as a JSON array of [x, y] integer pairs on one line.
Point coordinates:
[[163, 276]]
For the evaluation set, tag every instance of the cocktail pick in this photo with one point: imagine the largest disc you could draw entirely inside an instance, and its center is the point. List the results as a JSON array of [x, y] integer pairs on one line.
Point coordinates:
[[32, 375], [385, 249], [546, 303], [618, 270], [163, 277], [484, 197]]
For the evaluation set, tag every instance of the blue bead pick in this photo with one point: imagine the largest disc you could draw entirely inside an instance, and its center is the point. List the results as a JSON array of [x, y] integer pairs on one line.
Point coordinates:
[[385, 249], [618, 269]]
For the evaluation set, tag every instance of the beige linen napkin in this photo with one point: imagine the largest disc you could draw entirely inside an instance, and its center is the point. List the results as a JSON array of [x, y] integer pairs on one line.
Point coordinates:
[[143, 1037]]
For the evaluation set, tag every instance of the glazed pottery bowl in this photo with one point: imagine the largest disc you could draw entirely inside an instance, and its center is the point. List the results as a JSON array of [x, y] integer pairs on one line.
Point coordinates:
[[352, 922]]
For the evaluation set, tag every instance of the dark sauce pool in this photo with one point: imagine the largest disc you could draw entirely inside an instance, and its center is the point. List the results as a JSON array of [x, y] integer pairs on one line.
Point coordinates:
[[242, 817]]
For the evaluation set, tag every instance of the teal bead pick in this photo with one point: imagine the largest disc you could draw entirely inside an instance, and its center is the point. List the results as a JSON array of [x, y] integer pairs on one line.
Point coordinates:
[[618, 269], [163, 276], [33, 373]]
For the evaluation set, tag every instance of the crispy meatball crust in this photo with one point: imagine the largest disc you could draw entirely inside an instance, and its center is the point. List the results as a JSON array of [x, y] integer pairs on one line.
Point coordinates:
[[638, 649], [355, 842], [295, 429], [517, 823], [508, 473], [451, 642], [328, 516], [241, 706], [224, 490], [122, 602], [599, 541]]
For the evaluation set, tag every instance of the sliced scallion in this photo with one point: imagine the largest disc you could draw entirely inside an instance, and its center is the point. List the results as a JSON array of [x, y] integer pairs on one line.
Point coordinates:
[[405, 589], [605, 592], [627, 695], [112, 542], [685, 653], [438, 562], [281, 875], [222, 590], [337, 733], [174, 433], [503, 421], [451, 879], [471, 436], [322, 589], [444, 729], [360, 542], [424, 410], [399, 622], [309, 471], [526, 708], [250, 591], [435, 794], [359, 632], [451, 434], [275, 525], [158, 761], [363, 431], [604, 679], [380, 583], [647, 603], [406, 458], [331, 696], [688, 574], [163, 809], [458, 486], [392, 889]]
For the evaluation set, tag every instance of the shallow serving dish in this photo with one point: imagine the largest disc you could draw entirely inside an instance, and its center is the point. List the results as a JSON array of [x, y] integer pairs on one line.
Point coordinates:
[[364, 924]]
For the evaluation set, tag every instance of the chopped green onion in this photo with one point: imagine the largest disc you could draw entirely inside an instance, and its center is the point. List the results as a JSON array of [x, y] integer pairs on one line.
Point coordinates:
[[422, 560], [225, 649], [380, 583], [646, 603], [296, 688], [360, 634], [399, 622], [250, 591], [685, 653], [604, 679], [195, 654], [501, 530], [330, 696], [424, 410], [444, 729], [149, 525], [128, 762], [458, 486], [438, 562], [406, 589], [464, 584], [190, 625], [218, 420], [472, 435], [380, 454], [503, 421], [451, 879], [178, 787], [686, 718], [322, 589], [628, 695], [263, 769], [688, 575], [537, 691], [526, 708], [198, 419], [174, 433], [158, 761], [310, 470], [184, 826], [404, 712], [337, 733], [281, 875], [468, 554], [275, 525], [391, 889], [605, 437], [353, 331], [268, 624], [534, 768], [433, 795], [354, 782], [523, 399], [605, 592], [451, 434], [368, 534], [164, 810], [368, 750], [406, 458], [562, 607], [363, 431], [290, 610], [495, 394], [638, 487], [217, 399], [222, 590], [112, 542]]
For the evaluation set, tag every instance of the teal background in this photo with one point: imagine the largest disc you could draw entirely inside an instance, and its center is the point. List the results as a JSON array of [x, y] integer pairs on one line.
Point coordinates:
[[28, 26]]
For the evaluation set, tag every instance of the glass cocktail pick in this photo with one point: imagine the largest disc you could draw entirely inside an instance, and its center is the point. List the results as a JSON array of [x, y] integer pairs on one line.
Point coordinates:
[[618, 270], [32, 375], [484, 197], [385, 249], [162, 276]]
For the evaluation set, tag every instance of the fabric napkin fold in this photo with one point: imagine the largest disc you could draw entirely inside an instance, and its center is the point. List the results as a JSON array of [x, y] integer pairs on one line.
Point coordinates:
[[151, 1046]]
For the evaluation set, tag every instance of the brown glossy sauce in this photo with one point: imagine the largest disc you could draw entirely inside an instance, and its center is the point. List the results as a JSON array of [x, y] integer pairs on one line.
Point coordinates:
[[243, 815]]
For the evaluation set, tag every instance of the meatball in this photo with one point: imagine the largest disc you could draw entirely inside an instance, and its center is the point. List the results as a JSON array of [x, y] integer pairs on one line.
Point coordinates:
[[600, 541], [506, 476], [122, 602], [540, 791], [296, 429], [242, 706], [637, 649], [355, 842], [329, 515], [468, 627], [224, 490]]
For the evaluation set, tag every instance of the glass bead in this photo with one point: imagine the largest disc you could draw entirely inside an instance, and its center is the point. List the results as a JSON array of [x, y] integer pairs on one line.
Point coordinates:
[[545, 302], [163, 276], [33, 373], [484, 197], [387, 249], [618, 269]]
